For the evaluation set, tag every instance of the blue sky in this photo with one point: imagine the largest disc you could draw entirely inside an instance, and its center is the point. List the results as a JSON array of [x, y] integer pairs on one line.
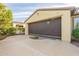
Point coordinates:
[[21, 11]]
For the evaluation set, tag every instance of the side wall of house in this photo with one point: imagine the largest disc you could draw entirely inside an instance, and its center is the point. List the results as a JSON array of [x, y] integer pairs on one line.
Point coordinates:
[[26, 29], [66, 21], [66, 27]]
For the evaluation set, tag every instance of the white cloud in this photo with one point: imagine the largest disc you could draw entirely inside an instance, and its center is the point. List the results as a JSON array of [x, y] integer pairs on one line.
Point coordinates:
[[63, 5], [74, 4], [57, 6], [22, 13], [20, 16]]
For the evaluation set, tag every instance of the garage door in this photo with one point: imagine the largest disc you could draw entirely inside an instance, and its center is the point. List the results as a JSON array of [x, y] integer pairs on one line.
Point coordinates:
[[50, 27]]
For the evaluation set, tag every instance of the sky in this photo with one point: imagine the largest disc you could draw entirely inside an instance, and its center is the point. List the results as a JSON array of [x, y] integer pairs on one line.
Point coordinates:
[[21, 11]]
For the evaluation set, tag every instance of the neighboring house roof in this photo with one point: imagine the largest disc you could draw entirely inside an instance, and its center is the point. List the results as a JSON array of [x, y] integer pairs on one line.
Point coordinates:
[[18, 22], [60, 8], [72, 9]]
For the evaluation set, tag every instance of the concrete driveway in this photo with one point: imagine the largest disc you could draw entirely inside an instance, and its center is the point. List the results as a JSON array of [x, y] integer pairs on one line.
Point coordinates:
[[22, 45]]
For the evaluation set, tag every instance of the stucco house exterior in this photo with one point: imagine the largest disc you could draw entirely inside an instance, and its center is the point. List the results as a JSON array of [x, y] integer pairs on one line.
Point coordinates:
[[18, 25], [15, 23], [52, 22]]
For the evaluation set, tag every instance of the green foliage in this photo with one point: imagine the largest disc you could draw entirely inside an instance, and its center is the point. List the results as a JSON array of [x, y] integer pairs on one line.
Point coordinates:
[[20, 28], [75, 33], [11, 31], [3, 31], [2, 6], [23, 29], [6, 21], [5, 17]]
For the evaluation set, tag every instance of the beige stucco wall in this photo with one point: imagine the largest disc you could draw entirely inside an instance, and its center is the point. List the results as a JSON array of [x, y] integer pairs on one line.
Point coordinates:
[[66, 26], [43, 15], [26, 29]]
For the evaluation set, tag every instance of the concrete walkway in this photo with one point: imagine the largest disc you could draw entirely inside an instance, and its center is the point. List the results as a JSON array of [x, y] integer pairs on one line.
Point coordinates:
[[22, 45]]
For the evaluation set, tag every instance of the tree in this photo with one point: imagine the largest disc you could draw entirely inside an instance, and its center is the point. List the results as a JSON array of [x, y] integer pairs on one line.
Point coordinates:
[[8, 19], [5, 17]]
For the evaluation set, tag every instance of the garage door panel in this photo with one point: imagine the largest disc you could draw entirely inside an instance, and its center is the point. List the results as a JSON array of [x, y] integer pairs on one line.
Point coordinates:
[[49, 27]]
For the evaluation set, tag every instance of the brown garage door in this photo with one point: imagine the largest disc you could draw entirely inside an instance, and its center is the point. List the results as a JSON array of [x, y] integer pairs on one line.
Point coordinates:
[[51, 27]]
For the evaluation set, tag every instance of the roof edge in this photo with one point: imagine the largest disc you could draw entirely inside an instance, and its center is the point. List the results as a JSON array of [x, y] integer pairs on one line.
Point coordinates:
[[44, 9]]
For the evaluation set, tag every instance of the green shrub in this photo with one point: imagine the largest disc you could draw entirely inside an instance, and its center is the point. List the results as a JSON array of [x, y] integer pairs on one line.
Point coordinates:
[[3, 31], [23, 29], [75, 33], [11, 31]]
